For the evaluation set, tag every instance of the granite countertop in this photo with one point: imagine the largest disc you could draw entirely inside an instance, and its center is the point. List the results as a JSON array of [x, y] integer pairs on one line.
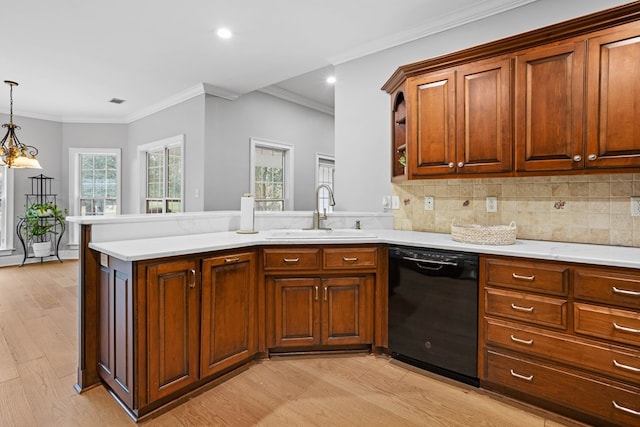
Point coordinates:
[[160, 247]]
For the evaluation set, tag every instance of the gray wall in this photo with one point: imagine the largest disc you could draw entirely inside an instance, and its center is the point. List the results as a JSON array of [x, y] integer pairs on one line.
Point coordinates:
[[187, 118], [362, 126], [230, 125]]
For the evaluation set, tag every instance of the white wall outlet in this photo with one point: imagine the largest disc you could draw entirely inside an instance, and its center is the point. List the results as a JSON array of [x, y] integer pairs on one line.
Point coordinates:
[[386, 202], [395, 202], [635, 206], [492, 204], [429, 203]]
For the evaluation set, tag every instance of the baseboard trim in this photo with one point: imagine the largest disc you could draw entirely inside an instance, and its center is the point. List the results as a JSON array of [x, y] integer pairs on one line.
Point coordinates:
[[12, 260]]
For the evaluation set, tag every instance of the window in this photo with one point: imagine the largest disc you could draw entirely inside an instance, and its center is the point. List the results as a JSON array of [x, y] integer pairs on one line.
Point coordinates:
[[6, 211], [325, 170], [163, 177], [271, 175], [94, 184]]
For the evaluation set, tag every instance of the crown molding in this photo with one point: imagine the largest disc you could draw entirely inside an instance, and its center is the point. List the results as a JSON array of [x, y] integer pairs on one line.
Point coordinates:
[[480, 10], [278, 92]]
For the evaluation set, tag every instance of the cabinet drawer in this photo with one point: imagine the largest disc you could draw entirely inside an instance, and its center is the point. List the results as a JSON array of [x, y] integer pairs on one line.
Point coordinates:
[[607, 286], [536, 309], [608, 323], [597, 357], [288, 259], [592, 395], [528, 275], [346, 258]]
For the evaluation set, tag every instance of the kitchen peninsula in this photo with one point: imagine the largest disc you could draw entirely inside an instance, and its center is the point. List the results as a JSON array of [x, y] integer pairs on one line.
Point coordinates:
[[126, 262]]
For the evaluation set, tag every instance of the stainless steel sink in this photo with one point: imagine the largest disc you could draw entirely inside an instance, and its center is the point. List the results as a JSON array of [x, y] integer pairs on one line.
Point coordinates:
[[302, 234]]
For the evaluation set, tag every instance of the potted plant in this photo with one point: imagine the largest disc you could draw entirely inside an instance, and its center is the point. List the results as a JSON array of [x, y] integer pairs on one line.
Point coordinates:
[[40, 223]]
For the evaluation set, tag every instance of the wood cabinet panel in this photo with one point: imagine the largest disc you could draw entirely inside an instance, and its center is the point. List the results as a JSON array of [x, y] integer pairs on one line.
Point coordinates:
[[607, 401], [228, 312], [296, 311], [350, 258], [347, 312], [613, 130], [547, 311], [431, 124], [115, 363], [549, 108], [598, 357], [173, 326], [292, 259], [536, 276], [607, 286], [621, 326], [484, 137]]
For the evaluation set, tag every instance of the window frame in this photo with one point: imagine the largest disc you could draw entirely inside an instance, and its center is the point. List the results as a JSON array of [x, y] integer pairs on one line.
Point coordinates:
[[288, 167], [75, 184], [6, 214], [142, 150]]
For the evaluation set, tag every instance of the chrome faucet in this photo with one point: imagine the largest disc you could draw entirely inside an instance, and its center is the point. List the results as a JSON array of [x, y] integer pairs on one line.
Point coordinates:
[[316, 214]]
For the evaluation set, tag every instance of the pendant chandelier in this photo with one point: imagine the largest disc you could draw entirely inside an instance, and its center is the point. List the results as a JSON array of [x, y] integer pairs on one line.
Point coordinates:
[[13, 153]]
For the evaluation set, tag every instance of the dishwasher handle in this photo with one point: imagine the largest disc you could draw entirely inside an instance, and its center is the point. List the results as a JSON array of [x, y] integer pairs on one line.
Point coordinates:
[[429, 261]]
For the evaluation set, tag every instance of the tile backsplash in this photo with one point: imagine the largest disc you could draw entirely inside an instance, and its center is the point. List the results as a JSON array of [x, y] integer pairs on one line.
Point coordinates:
[[572, 208]]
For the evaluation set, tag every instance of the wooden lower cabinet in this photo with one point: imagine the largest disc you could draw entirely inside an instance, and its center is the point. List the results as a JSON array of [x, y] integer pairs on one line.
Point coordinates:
[[324, 298], [569, 342], [313, 311], [168, 326], [228, 325]]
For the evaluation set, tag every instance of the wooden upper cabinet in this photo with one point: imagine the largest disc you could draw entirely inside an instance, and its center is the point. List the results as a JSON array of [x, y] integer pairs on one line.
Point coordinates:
[[459, 120], [549, 93], [484, 117], [613, 94], [431, 126]]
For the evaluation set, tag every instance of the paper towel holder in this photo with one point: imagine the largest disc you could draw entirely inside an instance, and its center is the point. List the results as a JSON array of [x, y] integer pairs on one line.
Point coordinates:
[[252, 213]]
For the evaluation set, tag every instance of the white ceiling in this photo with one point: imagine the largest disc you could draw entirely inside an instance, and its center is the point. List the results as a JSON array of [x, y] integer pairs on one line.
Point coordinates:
[[71, 57]]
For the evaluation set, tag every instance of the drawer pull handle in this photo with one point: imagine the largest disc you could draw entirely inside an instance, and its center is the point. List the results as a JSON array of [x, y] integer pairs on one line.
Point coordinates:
[[521, 341], [291, 260], [627, 367], [517, 307], [346, 259], [625, 329], [623, 409], [236, 259], [522, 377], [626, 292], [520, 277]]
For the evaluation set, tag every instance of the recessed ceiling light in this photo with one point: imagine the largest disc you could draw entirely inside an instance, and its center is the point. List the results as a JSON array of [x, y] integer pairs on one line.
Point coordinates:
[[224, 33], [117, 100], [331, 80]]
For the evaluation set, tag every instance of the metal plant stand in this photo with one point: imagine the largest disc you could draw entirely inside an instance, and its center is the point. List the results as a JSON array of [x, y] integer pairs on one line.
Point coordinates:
[[40, 194]]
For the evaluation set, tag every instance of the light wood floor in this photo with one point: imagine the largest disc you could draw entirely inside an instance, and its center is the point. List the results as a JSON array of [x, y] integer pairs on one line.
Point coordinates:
[[38, 356]]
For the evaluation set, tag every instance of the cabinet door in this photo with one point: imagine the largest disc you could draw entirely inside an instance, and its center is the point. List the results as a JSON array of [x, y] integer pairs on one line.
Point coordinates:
[[172, 326], [484, 117], [296, 311], [347, 310], [549, 108], [431, 127], [228, 334], [613, 128]]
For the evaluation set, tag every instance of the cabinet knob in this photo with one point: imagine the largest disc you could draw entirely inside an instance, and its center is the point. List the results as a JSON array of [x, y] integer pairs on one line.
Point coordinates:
[[460, 164], [451, 165], [592, 157], [577, 158]]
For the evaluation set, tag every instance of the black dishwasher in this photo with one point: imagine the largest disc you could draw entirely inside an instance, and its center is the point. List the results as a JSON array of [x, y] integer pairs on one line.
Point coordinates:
[[433, 311]]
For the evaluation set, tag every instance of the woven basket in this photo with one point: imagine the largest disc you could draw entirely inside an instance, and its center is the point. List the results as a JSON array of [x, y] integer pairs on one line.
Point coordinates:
[[484, 234]]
